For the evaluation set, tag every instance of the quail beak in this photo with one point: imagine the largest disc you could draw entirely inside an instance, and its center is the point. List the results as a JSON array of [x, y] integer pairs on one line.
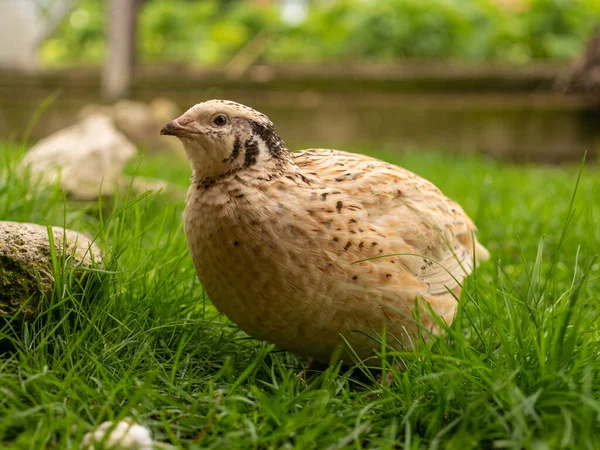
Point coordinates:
[[173, 128]]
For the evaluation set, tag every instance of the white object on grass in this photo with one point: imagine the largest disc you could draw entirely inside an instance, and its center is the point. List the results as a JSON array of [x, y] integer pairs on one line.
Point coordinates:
[[87, 157], [126, 434]]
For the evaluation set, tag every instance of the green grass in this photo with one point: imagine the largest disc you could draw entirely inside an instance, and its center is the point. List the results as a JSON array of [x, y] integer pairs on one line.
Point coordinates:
[[519, 368]]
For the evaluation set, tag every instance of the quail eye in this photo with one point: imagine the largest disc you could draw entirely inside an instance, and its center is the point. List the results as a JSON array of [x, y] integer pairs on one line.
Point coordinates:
[[220, 120]]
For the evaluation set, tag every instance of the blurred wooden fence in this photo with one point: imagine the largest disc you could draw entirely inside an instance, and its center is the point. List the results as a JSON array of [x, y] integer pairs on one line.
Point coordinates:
[[508, 112]]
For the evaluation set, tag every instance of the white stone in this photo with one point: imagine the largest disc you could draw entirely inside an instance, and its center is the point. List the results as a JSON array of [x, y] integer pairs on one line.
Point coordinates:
[[136, 120], [141, 123], [126, 434], [164, 110], [87, 157]]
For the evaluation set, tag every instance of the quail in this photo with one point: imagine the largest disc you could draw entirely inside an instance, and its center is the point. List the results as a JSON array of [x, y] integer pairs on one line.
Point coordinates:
[[318, 249]]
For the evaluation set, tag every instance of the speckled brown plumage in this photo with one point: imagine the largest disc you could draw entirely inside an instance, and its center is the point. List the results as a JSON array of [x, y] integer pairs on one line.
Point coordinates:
[[281, 242]]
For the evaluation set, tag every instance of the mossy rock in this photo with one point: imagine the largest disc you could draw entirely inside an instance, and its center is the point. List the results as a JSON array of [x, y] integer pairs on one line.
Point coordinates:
[[26, 273]]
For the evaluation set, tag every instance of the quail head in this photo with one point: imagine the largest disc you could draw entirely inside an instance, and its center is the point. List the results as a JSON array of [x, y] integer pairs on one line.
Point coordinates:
[[317, 249]]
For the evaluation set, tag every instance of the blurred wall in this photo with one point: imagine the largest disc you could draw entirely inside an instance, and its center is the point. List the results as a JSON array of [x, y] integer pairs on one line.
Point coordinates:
[[506, 112]]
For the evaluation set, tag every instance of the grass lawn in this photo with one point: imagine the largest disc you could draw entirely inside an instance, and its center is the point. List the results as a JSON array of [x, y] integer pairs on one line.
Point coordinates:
[[519, 368]]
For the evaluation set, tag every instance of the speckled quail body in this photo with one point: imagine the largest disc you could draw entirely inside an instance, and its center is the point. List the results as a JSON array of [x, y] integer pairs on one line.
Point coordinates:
[[293, 247]]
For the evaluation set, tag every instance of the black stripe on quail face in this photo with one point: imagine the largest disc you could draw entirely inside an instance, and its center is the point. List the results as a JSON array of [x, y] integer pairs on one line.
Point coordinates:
[[251, 146], [266, 132], [235, 151]]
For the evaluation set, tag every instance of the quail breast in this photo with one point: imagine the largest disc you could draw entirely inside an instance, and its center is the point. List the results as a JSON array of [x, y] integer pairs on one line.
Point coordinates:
[[317, 249]]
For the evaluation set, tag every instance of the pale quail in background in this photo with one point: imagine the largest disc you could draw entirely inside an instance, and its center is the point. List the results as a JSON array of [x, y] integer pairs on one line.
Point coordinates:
[[281, 241]]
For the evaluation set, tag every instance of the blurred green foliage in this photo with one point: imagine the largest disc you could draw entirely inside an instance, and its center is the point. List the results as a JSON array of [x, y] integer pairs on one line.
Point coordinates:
[[211, 32]]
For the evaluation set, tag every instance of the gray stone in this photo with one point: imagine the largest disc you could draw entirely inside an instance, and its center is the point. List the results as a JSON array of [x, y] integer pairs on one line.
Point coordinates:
[[88, 158], [141, 123], [26, 275]]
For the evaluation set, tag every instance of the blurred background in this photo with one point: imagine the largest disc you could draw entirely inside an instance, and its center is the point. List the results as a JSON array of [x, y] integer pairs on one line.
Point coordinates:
[[516, 79]]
